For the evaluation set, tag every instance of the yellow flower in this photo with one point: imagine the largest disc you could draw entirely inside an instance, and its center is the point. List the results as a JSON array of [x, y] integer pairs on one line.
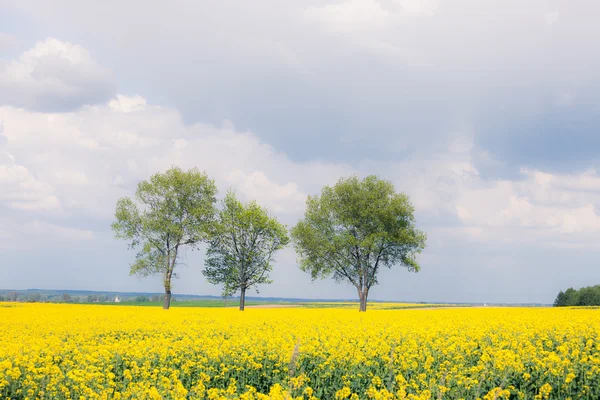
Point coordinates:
[[142, 352]]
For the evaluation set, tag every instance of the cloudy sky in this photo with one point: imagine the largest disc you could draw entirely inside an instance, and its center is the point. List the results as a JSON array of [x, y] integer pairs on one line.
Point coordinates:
[[486, 114]]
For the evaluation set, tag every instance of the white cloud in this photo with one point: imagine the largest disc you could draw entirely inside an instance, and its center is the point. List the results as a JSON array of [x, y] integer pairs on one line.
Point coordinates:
[[286, 198], [426, 7], [54, 76], [551, 17], [358, 16], [20, 190], [541, 208], [70, 177], [127, 103], [91, 157], [370, 24], [350, 16]]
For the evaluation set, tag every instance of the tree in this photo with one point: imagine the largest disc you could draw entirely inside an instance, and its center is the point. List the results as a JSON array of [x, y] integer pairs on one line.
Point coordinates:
[[66, 297], [242, 246], [560, 300], [355, 228], [169, 212], [586, 296], [589, 296], [571, 297]]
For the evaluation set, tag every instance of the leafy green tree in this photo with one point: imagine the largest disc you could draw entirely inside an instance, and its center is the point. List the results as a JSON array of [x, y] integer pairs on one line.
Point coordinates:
[[571, 297], [169, 212], [586, 296], [589, 296], [355, 228], [560, 300], [242, 246]]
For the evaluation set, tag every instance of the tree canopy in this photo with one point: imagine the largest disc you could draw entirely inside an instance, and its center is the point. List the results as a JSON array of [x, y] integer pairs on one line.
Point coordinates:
[[169, 211], [586, 296], [242, 245], [355, 228]]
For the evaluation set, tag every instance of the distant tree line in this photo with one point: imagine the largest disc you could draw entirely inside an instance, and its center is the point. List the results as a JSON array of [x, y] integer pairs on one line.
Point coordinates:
[[349, 232], [36, 297], [149, 299], [587, 296]]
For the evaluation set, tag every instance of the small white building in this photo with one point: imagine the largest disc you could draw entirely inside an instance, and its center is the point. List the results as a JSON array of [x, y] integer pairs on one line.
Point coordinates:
[[117, 299]]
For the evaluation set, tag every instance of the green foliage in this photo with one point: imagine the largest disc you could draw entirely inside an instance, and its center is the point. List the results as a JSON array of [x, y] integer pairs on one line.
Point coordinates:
[[587, 296], [169, 211], [353, 229], [242, 246], [560, 299]]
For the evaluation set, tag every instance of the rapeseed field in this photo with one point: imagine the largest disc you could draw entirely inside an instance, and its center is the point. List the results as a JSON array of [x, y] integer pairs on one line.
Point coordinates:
[[52, 351]]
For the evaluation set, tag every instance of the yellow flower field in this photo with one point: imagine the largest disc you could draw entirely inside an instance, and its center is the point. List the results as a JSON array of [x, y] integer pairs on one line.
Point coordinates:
[[375, 305], [109, 352]]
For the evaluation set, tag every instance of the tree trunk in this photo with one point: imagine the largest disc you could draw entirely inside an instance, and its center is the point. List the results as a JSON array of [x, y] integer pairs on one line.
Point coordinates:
[[167, 279], [242, 298], [363, 300], [167, 302]]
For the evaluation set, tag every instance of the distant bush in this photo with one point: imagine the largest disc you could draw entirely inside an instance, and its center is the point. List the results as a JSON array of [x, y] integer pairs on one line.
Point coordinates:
[[141, 299], [34, 298], [587, 296]]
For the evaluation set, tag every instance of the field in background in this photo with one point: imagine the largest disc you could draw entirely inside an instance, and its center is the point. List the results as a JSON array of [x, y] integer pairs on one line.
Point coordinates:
[[370, 306], [108, 352], [188, 300], [304, 304]]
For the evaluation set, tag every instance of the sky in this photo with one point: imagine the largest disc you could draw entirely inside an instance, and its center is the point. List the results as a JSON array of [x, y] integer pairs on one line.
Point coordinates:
[[486, 114]]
